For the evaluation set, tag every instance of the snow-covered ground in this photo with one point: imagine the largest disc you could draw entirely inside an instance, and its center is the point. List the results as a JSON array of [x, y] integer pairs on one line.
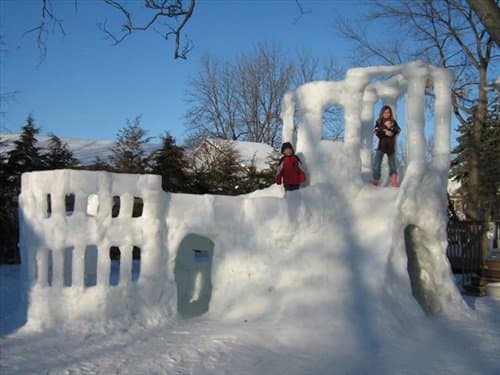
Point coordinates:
[[341, 277], [86, 150], [468, 344]]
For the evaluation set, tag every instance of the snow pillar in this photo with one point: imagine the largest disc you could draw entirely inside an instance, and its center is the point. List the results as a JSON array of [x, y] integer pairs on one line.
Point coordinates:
[[42, 265], [442, 79], [310, 116], [287, 111], [415, 105], [367, 121], [356, 81], [57, 267], [77, 268], [103, 263], [126, 205], [126, 265]]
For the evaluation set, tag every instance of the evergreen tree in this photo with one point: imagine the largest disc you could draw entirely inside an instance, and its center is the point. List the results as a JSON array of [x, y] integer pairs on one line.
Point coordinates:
[[490, 164], [98, 165], [26, 156], [128, 154], [171, 163], [8, 212], [256, 179], [488, 151], [217, 169], [3, 165], [58, 156]]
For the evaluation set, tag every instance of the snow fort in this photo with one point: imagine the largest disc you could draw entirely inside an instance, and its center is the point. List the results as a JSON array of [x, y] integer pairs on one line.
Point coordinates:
[[339, 246]]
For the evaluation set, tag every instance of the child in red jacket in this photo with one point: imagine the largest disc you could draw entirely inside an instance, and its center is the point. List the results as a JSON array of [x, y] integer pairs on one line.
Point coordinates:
[[289, 171]]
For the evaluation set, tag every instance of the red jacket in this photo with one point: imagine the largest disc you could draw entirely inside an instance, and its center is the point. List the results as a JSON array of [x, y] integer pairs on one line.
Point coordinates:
[[290, 172]]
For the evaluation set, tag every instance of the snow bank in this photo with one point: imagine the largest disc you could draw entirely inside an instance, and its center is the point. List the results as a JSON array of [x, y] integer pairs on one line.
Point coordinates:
[[338, 250]]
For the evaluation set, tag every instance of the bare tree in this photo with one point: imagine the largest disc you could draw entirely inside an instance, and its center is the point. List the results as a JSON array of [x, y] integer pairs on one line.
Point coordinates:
[[447, 33], [177, 12], [242, 99], [262, 78], [212, 100], [5, 96]]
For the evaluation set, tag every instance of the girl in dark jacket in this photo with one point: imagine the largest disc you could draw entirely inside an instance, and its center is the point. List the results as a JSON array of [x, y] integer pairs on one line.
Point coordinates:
[[289, 170], [386, 129]]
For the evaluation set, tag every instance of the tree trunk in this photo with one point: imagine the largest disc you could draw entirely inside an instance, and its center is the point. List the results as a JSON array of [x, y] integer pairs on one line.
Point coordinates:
[[489, 14], [476, 212]]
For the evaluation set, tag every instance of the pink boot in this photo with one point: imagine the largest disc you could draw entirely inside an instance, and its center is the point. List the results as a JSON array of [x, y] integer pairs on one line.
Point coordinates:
[[394, 180], [375, 182]]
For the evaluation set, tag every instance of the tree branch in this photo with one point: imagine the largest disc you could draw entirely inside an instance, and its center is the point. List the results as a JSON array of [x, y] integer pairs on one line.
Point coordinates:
[[166, 9], [48, 21]]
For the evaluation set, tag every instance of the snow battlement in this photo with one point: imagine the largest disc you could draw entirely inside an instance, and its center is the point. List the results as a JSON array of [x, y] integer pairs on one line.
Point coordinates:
[[264, 253], [71, 223]]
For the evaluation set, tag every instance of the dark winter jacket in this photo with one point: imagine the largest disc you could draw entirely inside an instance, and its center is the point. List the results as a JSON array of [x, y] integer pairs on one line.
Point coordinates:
[[386, 144], [289, 171]]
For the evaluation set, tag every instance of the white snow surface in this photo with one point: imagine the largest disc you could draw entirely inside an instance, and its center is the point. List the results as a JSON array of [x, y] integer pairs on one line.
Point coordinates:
[[334, 344], [338, 277]]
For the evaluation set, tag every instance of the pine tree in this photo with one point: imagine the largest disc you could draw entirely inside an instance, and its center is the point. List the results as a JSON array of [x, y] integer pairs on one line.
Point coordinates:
[[488, 152], [26, 154], [260, 179], [58, 156], [171, 163], [8, 212], [24, 157], [128, 154], [217, 169], [98, 165], [490, 164]]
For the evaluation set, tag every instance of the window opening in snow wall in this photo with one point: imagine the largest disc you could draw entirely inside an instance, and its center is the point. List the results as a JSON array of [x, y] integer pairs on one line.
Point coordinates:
[[115, 208], [138, 207], [90, 266], [114, 264], [69, 203], [136, 263], [48, 212], [418, 266], [67, 266], [193, 273]]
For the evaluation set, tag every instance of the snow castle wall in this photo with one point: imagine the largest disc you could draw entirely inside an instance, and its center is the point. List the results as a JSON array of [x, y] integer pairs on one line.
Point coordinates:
[[58, 242], [268, 253]]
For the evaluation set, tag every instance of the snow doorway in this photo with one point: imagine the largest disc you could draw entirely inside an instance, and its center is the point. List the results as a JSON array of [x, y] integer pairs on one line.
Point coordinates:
[[193, 271], [419, 258]]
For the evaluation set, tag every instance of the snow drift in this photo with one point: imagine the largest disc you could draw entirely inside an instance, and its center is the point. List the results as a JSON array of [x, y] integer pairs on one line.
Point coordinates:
[[339, 248]]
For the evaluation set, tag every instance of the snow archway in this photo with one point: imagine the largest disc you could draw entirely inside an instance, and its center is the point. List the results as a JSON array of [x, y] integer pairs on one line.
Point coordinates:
[[193, 275]]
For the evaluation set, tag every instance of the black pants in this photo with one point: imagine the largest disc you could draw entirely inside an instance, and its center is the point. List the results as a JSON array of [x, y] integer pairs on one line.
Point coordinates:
[[292, 187]]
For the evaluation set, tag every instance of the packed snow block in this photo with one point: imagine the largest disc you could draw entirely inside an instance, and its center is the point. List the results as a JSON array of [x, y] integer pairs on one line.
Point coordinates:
[[65, 242]]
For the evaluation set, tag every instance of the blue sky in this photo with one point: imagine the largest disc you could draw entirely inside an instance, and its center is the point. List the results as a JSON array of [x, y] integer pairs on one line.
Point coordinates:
[[86, 88]]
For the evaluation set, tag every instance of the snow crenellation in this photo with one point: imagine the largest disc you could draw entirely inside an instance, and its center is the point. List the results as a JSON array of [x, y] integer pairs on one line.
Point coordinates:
[[339, 246]]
